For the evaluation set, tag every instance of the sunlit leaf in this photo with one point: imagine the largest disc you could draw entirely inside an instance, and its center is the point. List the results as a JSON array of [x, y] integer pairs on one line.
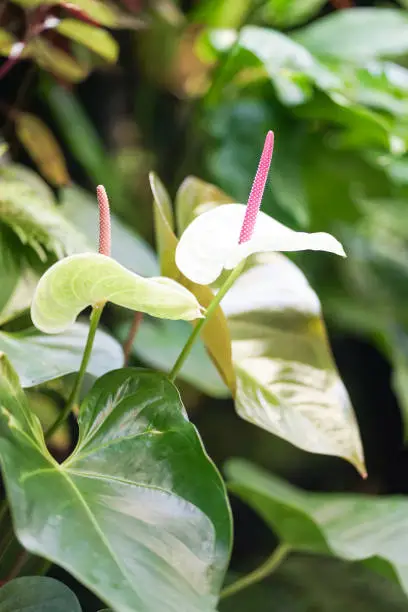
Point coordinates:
[[37, 594], [210, 244], [341, 34], [139, 491], [96, 39], [88, 279], [35, 219], [222, 13], [58, 355], [352, 527], [41, 144], [215, 334], [100, 11], [287, 382]]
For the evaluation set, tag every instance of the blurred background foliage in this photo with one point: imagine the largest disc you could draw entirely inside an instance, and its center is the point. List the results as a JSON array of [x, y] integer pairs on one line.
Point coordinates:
[[97, 92]]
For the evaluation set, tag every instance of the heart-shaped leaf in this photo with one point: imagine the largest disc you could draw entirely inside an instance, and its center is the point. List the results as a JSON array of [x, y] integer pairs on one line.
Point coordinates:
[[139, 492], [287, 381], [353, 527], [38, 357], [87, 279], [37, 594]]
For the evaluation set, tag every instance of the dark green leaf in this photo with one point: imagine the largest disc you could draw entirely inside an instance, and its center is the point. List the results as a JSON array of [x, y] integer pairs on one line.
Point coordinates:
[[139, 491], [57, 355], [311, 583], [352, 527], [37, 594]]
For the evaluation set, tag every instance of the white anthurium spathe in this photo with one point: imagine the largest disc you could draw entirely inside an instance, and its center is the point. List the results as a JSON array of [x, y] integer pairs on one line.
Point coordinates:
[[210, 243]]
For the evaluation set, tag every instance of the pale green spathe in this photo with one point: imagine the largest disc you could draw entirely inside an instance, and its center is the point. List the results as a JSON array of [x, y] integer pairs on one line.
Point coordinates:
[[210, 242], [87, 279]]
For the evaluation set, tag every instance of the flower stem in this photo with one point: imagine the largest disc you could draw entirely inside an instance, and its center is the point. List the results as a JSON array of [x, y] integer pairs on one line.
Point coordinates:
[[73, 398], [199, 327], [268, 567]]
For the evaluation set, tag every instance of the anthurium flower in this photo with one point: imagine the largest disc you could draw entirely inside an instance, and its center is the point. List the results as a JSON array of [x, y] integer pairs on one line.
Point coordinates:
[[92, 279], [222, 237]]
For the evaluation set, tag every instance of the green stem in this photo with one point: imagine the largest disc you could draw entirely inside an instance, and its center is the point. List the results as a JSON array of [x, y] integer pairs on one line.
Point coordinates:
[[73, 398], [199, 327], [268, 567]]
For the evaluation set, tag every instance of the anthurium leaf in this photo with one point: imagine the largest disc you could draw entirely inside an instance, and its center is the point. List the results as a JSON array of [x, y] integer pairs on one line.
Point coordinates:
[[158, 344], [95, 38], [36, 220], [215, 334], [88, 279], [139, 490], [310, 582], [41, 144], [129, 249], [37, 594], [38, 357], [352, 527], [339, 34], [287, 381], [194, 197]]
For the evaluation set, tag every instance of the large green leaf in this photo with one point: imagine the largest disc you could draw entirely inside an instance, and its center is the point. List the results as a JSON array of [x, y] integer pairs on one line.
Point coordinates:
[[129, 249], [358, 34], [312, 583], [158, 343], [138, 513], [287, 381], [37, 594], [40, 357], [353, 527], [35, 219]]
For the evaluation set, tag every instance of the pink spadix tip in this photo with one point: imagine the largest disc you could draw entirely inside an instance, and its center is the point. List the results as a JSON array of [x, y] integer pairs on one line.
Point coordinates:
[[257, 191], [104, 221]]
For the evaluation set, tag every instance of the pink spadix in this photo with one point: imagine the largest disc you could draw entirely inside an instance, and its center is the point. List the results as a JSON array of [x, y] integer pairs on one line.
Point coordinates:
[[257, 191], [104, 221]]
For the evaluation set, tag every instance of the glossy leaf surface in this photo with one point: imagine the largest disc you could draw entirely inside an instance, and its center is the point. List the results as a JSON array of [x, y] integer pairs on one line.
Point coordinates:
[[38, 358], [353, 527], [139, 492], [287, 381], [88, 279], [37, 594]]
